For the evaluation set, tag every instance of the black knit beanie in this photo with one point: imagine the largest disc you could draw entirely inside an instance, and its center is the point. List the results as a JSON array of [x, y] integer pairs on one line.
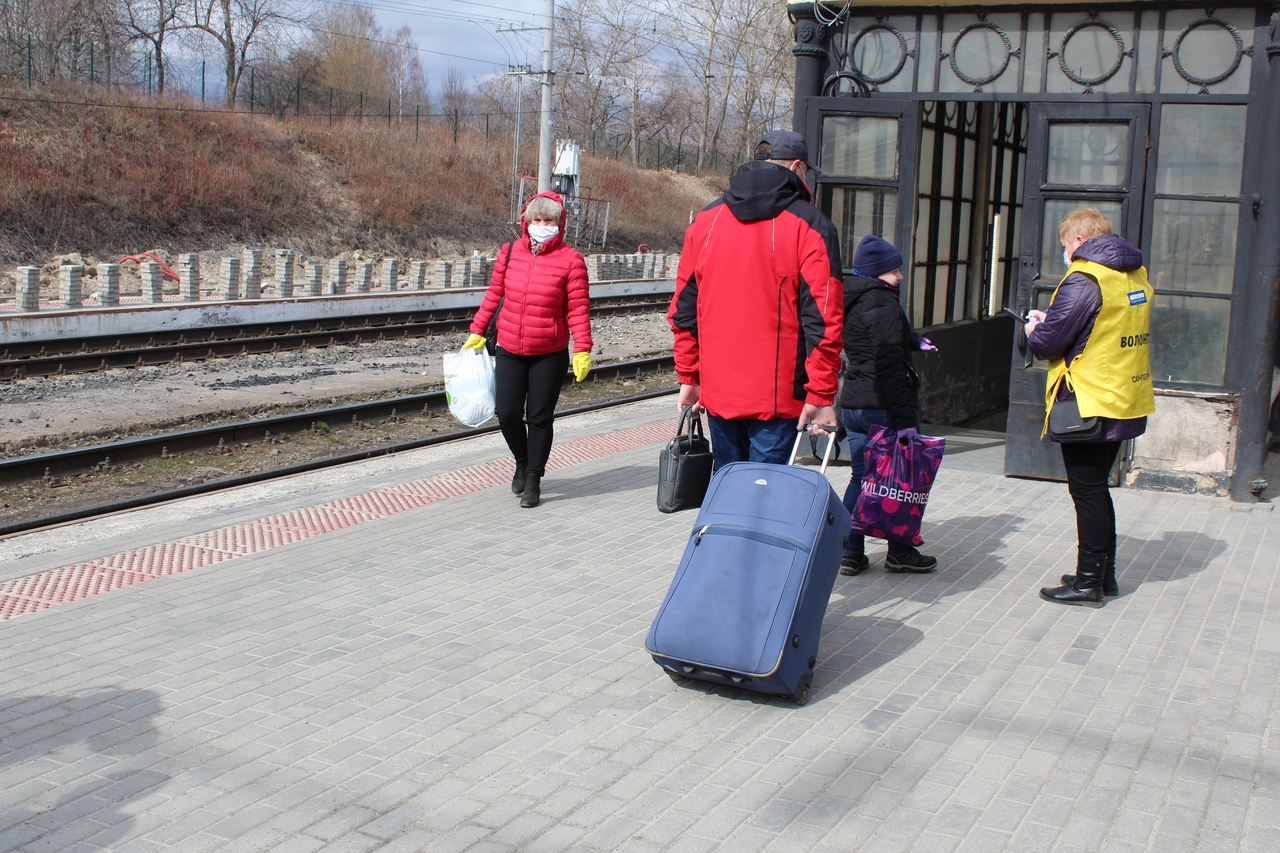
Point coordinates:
[[875, 256]]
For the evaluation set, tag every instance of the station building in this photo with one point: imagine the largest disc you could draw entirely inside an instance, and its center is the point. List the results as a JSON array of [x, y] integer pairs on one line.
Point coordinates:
[[964, 133]]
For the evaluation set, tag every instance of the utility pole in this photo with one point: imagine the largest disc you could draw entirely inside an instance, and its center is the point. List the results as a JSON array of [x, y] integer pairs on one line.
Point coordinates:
[[517, 71], [544, 138]]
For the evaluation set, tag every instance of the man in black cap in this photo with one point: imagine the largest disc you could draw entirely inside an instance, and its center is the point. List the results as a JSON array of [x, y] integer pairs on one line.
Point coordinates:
[[758, 308]]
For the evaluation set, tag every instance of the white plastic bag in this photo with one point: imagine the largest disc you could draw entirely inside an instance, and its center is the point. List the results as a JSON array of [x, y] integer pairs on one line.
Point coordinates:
[[469, 385]]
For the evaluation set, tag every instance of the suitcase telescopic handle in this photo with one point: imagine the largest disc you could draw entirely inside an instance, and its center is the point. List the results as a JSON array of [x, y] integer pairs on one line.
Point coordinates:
[[826, 454]]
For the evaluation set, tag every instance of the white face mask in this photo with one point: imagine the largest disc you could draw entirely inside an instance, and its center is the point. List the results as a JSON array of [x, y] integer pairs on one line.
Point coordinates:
[[1066, 257], [543, 233]]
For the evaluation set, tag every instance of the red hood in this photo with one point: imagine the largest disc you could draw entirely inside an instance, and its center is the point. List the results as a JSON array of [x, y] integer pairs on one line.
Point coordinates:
[[524, 222]]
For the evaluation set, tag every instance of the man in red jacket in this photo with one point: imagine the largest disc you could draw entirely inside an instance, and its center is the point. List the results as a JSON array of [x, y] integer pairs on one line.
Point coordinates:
[[758, 308]]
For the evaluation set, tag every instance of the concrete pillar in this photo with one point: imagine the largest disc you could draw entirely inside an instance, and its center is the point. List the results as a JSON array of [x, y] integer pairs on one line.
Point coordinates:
[[418, 275], [108, 284], [230, 279], [390, 273], [462, 273], [315, 278], [444, 273], [364, 276], [152, 282], [337, 276], [284, 273], [69, 280], [252, 273], [189, 277], [479, 272], [28, 292]]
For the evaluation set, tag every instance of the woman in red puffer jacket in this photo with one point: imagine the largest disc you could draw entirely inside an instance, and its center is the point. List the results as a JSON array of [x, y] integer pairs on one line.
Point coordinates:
[[540, 285]]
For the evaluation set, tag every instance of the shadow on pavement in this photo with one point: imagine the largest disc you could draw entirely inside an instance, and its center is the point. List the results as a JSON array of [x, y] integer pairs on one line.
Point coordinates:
[[111, 733], [1171, 557]]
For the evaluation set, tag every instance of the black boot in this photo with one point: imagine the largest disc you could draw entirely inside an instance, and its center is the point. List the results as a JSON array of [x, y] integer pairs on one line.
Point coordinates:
[[532, 491], [1086, 588], [1109, 586], [518, 481]]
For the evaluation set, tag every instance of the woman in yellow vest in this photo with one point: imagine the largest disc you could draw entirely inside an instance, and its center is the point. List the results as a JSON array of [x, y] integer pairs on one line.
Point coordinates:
[[1095, 336]]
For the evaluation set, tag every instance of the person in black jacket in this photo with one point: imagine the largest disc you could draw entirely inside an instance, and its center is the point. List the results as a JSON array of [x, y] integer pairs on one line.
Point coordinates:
[[879, 381]]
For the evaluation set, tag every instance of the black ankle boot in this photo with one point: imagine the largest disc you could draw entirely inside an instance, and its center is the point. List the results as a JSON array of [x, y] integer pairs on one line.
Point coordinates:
[[1086, 588], [518, 481], [532, 491], [1109, 586]]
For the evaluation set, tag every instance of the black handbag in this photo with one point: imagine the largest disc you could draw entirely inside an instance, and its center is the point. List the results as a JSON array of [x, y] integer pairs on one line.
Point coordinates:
[[684, 466], [1066, 425]]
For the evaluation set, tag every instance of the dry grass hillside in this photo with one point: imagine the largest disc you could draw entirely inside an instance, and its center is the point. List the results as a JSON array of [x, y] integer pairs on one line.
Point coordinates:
[[105, 180]]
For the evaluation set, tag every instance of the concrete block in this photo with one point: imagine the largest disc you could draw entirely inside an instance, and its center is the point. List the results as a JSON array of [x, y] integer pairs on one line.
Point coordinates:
[[1189, 445], [152, 282], [364, 276], [108, 284], [284, 272], [444, 273], [462, 273], [315, 278], [189, 277], [230, 279], [337, 276], [70, 293], [390, 273], [28, 290], [252, 273], [418, 275]]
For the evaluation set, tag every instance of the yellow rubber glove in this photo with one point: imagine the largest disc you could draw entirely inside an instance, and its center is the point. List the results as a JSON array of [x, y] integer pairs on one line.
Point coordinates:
[[474, 342], [581, 365]]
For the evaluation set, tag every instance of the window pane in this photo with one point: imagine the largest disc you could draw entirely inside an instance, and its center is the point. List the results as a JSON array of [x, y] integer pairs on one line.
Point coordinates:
[[1189, 339], [1201, 149], [1088, 154], [1051, 265], [858, 212], [1193, 245], [860, 146]]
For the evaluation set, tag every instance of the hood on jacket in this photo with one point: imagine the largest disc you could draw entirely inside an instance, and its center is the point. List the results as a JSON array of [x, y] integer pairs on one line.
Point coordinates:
[[524, 220], [1112, 251], [762, 190], [856, 285]]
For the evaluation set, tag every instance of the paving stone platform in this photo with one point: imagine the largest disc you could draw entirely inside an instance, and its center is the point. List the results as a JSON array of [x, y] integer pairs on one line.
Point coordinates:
[[443, 670]]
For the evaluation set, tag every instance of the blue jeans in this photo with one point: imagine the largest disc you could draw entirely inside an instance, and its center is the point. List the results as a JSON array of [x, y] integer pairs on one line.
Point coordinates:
[[749, 440], [857, 423]]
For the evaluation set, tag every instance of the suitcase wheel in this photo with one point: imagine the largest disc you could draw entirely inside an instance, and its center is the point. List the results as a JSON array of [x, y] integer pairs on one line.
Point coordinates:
[[802, 692]]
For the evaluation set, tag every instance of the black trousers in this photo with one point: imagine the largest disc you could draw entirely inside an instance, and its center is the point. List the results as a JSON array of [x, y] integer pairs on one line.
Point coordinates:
[[1088, 465], [528, 386]]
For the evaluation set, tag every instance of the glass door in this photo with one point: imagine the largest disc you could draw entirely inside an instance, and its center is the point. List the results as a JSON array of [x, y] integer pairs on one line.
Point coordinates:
[[1078, 155], [867, 153]]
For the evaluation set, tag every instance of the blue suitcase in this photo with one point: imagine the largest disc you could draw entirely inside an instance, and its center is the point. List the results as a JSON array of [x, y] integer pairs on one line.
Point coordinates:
[[747, 602]]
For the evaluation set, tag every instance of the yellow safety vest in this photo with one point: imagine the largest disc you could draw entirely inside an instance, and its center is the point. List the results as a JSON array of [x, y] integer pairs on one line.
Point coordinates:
[[1111, 377]]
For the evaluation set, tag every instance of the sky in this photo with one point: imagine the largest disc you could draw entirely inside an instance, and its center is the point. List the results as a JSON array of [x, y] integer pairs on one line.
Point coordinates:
[[473, 36]]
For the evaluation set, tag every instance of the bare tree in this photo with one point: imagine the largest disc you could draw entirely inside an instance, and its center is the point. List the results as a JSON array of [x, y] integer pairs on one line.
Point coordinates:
[[405, 76], [150, 21], [237, 26], [455, 100]]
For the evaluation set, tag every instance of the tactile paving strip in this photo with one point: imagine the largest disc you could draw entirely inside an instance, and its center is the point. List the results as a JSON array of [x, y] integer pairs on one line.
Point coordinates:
[[200, 550]]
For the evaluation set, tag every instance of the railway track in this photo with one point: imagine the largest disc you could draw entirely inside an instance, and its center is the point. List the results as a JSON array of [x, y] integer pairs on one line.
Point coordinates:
[[20, 360], [103, 456]]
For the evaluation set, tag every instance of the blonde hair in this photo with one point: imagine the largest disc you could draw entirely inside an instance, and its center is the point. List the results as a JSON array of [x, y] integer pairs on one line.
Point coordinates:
[[1086, 222], [543, 207]]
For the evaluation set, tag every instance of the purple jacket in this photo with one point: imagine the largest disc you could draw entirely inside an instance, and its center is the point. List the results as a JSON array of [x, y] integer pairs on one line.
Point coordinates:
[[1066, 329]]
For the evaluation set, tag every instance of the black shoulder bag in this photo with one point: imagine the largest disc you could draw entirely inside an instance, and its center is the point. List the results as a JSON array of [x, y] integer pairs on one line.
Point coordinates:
[[491, 330], [684, 466]]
